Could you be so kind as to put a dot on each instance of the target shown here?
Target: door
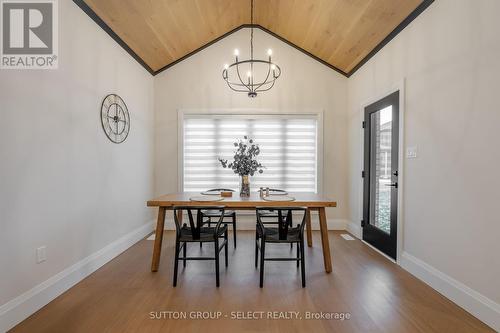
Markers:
(380, 197)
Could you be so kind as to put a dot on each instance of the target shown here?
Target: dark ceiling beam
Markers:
(112, 34)
(301, 50)
(256, 26)
(424, 5)
(201, 48)
(413, 15)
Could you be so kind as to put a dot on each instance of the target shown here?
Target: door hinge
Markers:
(362, 223)
(363, 174)
(363, 124)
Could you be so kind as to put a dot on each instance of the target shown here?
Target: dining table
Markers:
(313, 202)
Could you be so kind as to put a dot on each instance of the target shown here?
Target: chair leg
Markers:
(234, 229)
(256, 249)
(184, 252)
(262, 252)
(176, 264)
(303, 263)
(298, 255)
(216, 263)
(225, 248)
(209, 223)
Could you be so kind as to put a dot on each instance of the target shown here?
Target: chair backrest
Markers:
(195, 218)
(285, 218)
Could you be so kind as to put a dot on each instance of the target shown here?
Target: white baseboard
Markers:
(354, 229)
(477, 304)
(21, 307)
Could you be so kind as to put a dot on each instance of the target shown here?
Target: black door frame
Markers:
(386, 243)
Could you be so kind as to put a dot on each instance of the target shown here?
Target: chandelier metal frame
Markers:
(252, 87)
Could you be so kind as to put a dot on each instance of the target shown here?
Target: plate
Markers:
(210, 198)
(211, 193)
(278, 193)
(279, 198)
(214, 192)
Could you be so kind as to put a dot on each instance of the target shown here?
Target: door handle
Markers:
(392, 185)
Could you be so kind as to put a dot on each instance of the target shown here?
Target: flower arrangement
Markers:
(244, 163)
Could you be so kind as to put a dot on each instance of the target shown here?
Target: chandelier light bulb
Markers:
(249, 74)
(269, 52)
(236, 52)
(226, 66)
(273, 67)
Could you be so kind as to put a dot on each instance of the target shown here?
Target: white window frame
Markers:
(182, 113)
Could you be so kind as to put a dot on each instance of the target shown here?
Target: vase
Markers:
(245, 186)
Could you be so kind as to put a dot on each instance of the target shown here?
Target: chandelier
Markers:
(266, 70)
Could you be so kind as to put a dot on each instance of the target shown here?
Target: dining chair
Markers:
(270, 215)
(282, 233)
(214, 214)
(196, 232)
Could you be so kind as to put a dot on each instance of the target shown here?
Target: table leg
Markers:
(308, 228)
(324, 240)
(158, 239)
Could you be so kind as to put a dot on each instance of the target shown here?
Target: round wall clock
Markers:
(115, 119)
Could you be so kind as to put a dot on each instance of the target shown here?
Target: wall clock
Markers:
(115, 119)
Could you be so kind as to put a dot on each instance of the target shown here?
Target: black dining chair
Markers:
(196, 232)
(271, 212)
(270, 215)
(214, 214)
(282, 233)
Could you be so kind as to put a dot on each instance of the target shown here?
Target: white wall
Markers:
(305, 85)
(449, 57)
(63, 183)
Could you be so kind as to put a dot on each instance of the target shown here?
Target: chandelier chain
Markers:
(251, 40)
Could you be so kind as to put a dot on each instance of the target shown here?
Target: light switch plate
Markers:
(41, 254)
(411, 152)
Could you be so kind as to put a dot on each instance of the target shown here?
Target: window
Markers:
(289, 150)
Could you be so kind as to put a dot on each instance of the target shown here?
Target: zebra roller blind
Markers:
(288, 146)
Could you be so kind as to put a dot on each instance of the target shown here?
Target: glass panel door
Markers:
(380, 196)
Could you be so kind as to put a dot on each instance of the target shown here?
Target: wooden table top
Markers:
(301, 199)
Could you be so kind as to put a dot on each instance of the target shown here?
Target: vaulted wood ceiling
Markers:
(340, 33)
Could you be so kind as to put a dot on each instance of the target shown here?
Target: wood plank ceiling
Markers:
(341, 33)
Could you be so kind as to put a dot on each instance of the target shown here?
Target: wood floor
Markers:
(378, 295)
